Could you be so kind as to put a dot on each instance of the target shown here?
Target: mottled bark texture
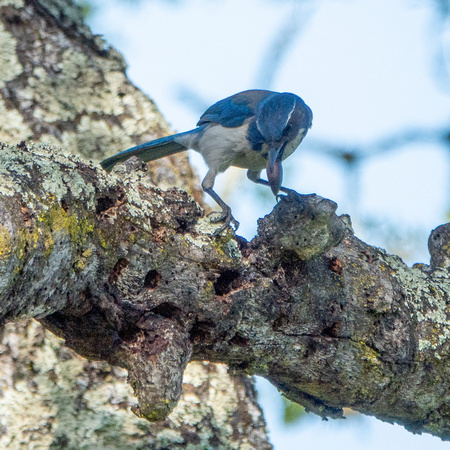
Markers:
(63, 85)
(52, 398)
(131, 274)
(128, 273)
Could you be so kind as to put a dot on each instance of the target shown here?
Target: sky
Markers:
(367, 68)
(364, 67)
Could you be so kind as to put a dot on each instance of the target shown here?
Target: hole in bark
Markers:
(331, 331)
(279, 322)
(190, 437)
(311, 348)
(215, 442)
(103, 204)
(13, 19)
(117, 270)
(64, 205)
(129, 331)
(436, 237)
(239, 340)
(166, 310)
(335, 265)
(243, 366)
(226, 282)
(293, 268)
(201, 331)
(132, 315)
(152, 279)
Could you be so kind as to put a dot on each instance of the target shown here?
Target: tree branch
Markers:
(52, 396)
(129, 273)
(62, 84)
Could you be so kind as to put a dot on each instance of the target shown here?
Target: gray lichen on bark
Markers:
(61, 84)
(53, 238)
(52, 398)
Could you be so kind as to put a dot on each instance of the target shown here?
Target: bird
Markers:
(253, 129)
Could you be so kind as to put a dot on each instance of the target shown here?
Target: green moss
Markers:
(5, 242)
(80, 264)
(158, 410)
(368, 354)
(57, 219)
(258, 367)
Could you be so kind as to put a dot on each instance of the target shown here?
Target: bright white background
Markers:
(367, 68)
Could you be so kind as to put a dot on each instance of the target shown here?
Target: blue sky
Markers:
(365, 67)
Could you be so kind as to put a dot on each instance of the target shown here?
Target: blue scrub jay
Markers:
(253, 129)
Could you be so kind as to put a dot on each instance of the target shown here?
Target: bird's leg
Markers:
(207, 185)
(226, 212)
(255, 177)
(266, 183)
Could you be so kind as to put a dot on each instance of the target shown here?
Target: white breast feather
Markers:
(224, 147)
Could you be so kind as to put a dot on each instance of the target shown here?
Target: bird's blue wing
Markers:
(233, 111)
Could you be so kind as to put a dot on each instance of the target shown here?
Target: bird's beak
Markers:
(274, 168)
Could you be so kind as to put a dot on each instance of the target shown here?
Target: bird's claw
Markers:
(286, 192)
(225, 217)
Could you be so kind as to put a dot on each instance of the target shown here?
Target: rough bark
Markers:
(73, 403)
(129, 273)
(138, 279)
(61, 84)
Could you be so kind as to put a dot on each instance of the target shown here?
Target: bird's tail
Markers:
(153, 150)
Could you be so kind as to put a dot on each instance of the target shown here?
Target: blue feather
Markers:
(232, 112)
(151, 150)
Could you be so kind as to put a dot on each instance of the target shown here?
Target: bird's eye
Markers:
(288, 128)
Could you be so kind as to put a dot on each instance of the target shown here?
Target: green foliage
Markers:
(293, 412)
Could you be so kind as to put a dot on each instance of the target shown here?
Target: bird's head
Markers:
(280, 120)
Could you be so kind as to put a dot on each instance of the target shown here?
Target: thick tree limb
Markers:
(62, 84)
(52, 398)
(130, 274)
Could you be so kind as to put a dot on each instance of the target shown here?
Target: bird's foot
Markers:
(225, 217)
(286, 191)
